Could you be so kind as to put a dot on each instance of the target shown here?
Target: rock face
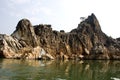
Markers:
(22, 44)
(25, 32)
(87, 41)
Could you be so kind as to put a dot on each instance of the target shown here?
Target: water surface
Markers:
(59, 70)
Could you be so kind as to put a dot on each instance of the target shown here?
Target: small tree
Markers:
(82, 18)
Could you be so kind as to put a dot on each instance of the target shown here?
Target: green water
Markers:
(59, 70)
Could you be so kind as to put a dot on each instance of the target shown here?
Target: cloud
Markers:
(34, 20)
(27, 8)
(47, 11)
(31, 11)
(19, 1)
(15, 14)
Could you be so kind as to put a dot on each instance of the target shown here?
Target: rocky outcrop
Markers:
(25, 32)
(87, 41)
(22, 44)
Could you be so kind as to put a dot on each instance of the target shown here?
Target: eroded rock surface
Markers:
(22, 44)
(87, 41)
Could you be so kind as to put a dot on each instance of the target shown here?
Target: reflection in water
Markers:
(59, 70)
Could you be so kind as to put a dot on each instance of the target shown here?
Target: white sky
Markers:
(61, 14)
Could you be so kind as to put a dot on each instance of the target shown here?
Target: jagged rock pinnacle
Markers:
(25, 31)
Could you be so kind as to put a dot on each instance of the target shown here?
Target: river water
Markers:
(11, 69)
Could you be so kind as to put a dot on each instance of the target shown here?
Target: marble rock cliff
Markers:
(87, 41)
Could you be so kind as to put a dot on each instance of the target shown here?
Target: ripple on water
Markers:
(60, 79)
(113, 78)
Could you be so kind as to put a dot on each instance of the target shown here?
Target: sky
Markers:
(61, 14)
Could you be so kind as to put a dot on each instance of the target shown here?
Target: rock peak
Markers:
(92, 19)
(93, 15)
(90, 26)
(94, 22)
(23, 23)
(25, 31)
